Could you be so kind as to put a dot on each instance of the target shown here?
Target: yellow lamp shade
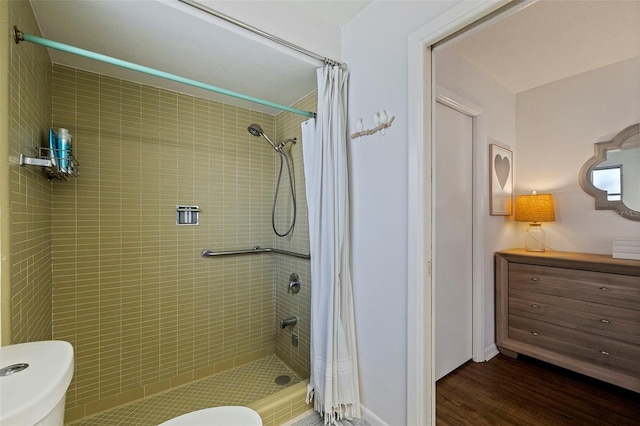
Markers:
(535, 208)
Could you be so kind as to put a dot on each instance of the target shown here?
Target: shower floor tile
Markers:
(239, 386)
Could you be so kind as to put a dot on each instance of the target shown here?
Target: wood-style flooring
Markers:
(524, 391)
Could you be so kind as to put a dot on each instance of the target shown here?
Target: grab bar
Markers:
(255, 250)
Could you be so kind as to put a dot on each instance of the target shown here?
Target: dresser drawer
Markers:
(598, 350)
(597, 287)
(604, 320)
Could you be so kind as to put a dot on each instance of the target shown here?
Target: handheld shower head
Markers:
(256, 130)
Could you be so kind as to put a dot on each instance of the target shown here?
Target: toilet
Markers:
(217, 416)
(34, 378)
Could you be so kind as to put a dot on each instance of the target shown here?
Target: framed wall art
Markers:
(500, 181)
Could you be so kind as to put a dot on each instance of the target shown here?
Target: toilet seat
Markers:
(217, 416)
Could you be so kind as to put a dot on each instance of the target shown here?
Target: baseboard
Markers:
(490, 351)
(367, 415)
(370, 418)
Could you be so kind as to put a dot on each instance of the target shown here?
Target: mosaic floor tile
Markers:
(239, 386)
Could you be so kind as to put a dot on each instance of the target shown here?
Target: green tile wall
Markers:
(287, 304)
(143, 310)
(99, 261)
(30, 191)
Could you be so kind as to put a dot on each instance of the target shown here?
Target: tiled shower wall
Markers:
(287, 304)
(143, 310)
(30, 192)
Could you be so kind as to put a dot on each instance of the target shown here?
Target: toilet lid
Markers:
(217, 416)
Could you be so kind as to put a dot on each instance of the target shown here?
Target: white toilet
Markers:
(217, 416)
(34, 378)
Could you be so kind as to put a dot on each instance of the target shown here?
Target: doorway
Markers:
(458, 228)
(420, 312)
(453, 239)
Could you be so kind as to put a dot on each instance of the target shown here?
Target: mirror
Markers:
(612, 175)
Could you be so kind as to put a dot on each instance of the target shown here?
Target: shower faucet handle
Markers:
(291, 321)
(294, 284)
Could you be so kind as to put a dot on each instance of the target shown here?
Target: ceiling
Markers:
(543, 42)
(173, 37)
(550, 40)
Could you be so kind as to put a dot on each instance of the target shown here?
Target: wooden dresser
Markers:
(579, 311)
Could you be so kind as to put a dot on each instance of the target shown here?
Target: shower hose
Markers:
(275, 197)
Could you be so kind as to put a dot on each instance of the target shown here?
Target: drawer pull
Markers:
(605, 321)
(605, 353)
(605, 289)
(535, 279)
(534, 306)
(535, 333)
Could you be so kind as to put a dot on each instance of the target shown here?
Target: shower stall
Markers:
(164, 314)
(100, 261)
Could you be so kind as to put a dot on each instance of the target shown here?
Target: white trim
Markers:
(420, 384)
(480, 214)
(420, 389)
(447, 98)
(450, 99)
(490, 351)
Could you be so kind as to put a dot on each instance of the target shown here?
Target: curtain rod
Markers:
(261, 33)
(20, 36)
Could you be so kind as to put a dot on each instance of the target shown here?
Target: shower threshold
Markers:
(239, 386)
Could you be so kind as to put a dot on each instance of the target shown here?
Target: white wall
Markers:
(461, 77)
(374, 45)
(557, 125)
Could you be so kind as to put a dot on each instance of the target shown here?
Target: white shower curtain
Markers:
(334, 374)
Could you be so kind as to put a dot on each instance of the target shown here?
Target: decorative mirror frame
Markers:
(600, 155)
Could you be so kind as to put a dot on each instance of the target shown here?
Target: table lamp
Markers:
(535, 208)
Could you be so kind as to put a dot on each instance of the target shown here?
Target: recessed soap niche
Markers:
(187, 215)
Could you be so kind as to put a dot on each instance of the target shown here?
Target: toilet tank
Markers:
(34, 382)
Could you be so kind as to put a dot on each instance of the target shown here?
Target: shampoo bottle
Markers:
(64, 147)
(53, 148)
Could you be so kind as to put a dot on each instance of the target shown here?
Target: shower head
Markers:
(256, 130)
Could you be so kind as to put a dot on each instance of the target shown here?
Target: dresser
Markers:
(576, 310)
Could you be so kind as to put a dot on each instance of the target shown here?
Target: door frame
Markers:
(420, 384)
(479, 211)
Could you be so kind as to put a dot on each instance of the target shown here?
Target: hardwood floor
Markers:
(524, 391)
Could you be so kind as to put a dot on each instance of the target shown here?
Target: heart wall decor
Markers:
(503, 169)
(500, 181)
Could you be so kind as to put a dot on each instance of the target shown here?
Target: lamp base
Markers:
(534, 240)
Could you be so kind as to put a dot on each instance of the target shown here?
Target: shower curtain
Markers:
(334, 374)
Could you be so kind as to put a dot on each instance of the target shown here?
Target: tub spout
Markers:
(288, 321)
